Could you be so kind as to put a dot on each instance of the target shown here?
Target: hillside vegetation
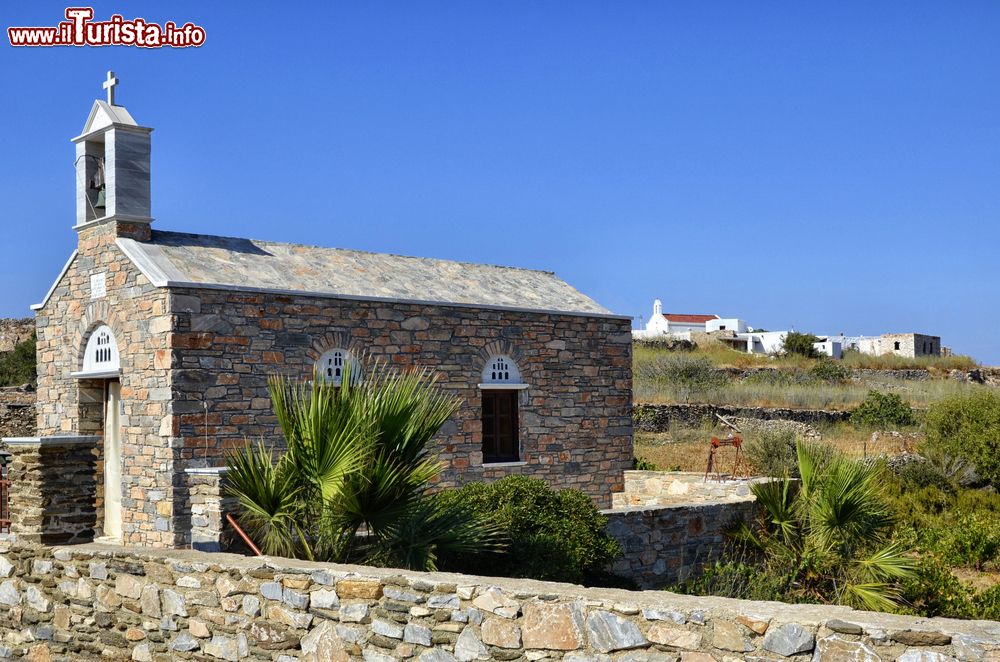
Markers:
(722, 356)
(704, 375)
(18, 366)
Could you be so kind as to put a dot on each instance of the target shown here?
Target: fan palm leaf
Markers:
(353, 480)
(267, 495)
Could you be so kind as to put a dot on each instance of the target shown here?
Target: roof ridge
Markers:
(348, 250)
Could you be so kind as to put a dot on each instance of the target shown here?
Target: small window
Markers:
(500, 427)
(501, 370)
(101, 354)
(896, 345)
(336, 363)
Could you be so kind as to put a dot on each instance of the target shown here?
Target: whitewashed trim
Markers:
(158, 278)
(99, 374)
(147, 267)
(500, 386)
(500, 465)
(55, 440)
(206, 471)
(124, 128)
(69, 262)
(101, 355)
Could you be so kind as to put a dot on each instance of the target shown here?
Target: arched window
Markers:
(101, 358)
(501, 385)
(501, 369)
(335, 363)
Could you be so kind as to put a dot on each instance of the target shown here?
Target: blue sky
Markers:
(828, 167)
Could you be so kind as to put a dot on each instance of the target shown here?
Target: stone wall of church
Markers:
(575, 423)
(137, 313)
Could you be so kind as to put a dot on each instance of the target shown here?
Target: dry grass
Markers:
(663, 376)
(686, 449)
(806, 395)
(723, 356)
(936, 364)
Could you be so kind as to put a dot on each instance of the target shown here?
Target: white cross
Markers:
(109, 85)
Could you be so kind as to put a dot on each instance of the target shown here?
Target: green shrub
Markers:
(18, 366)
(921, 473)
(735, 579)
(553, 535)
(801, 344)
(928, 500)
(986, 604)
(830, 371)
(934, 591)
(883, 410)
(642, 464)
(773, 453)
(978, 501)
(973, 541)
(969, 426)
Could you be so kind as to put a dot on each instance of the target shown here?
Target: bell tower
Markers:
(112, 169)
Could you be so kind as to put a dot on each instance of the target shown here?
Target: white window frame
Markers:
(510, 375)
(347, 358)
(101, 359)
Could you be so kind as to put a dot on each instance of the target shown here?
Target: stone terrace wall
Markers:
(666, 488)
(156, 606)
(17, 412)
(665, 545)
(670, 524)
(659, 418)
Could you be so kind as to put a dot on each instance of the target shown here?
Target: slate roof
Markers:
(172, 259)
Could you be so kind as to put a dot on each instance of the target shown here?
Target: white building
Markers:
(673, 324)
(728, 324)
(773, 342)
(734, 332)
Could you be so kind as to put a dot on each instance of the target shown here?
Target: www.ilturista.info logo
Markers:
(79, 29)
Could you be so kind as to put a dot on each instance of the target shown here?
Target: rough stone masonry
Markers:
(150, 605)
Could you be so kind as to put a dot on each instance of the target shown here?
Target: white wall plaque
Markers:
(98, 286)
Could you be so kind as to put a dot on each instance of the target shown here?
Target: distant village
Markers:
(739, 335)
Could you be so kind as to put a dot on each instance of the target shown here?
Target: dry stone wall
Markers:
(676, 488)
(665, 545)
(659, 418)
(88, 602)
(17, 412)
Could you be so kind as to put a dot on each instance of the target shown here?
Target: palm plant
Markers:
(828, 534)
(352, 483)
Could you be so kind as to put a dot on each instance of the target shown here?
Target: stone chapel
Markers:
(154, 350)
